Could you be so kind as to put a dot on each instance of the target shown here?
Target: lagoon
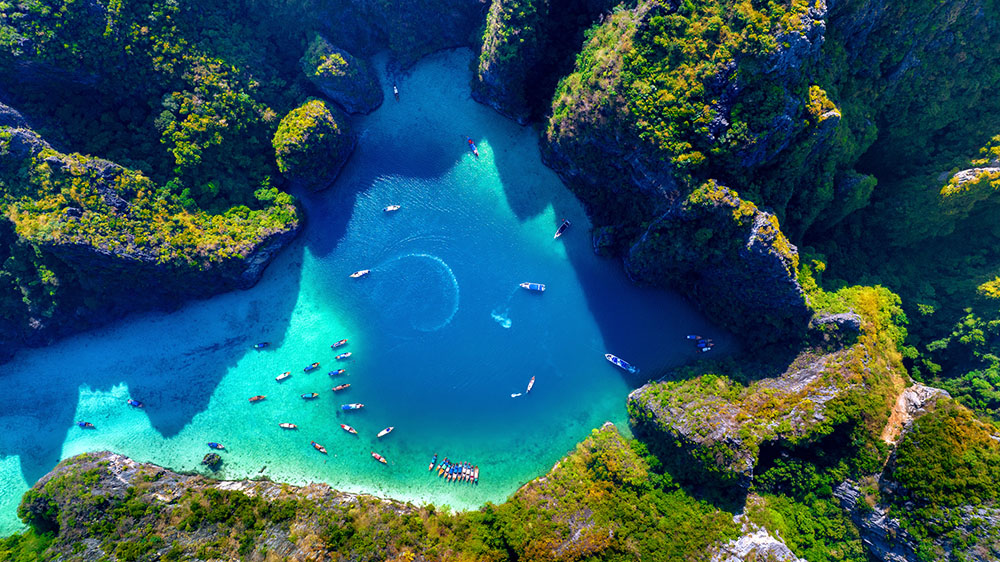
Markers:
(440, 333)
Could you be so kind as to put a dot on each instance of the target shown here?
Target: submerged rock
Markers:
(342, 78)
(312, 144)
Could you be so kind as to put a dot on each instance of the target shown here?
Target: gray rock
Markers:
(343, 78)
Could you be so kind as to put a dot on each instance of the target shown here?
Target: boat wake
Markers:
(501, 318)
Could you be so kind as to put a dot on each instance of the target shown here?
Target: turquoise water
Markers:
(440, 332)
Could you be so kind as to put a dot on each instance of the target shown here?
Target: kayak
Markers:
(312, 367)
(379, 458)
(339, 343)
(337, 372)
(386, 431)
(340, 387)
(319, 447)
(309, 395)
(343, 356)
(257, 398)
(348, 428)
(288, 426)
(283, 376)
(216, 446)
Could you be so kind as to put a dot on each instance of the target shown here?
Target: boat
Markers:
(386, 431)
(354, 406)
(283, 376)
(538, 287)
(472, 147)
(211, 460)
(442, 466)
(343, 356)
(286, 425)
(337, 372)
(562, 228)
(531, 383)
(261, 345)
(257, 398)
(391, 208)
(309, 395)
(433, 462)
(218, 446)
(395, 92)
(475, 475)
(340, 387)
(311, 367)
(621, 363)
(360, 273)
(379, 458)
(515, 395)
(348, 428)
(339, 343)
(134, 403)
(85, 425)
(693, 337)
(319, 447)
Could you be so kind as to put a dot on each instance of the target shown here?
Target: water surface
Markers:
(440, 332)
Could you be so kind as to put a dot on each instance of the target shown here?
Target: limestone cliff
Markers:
(342, 78)
(312, 144)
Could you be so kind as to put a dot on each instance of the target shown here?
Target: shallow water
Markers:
(440, 332)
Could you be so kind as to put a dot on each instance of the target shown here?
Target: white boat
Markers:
(531, 383)
(360, 273)
(533, 286)
(283, 376)
(391, 208)
(386, 431)
(562, 228)
(515, 395)
(621, 363)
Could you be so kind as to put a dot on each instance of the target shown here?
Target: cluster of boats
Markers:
(704, 345)
(455, 471)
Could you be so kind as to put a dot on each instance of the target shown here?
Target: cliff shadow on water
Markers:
(90, 377)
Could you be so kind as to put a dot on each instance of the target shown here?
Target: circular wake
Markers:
(418, 290)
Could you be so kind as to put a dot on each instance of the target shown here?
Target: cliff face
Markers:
(312, 144)
(341, 77)
(730, 258)
(103, 247)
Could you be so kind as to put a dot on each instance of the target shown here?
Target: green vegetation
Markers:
(312, 141)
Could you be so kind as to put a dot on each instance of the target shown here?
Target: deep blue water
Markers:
(440, 332)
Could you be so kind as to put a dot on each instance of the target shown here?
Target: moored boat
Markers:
(531, 383)
(343, 356)
(433, 462)
(261, 345)
(339, 343)
(216, 445)
(475, 475)
(537, 287)
(391, 208)
(379, 458)
(312, 367)
(257, 398)
(353, 406)
(360, 273)
(340, 387)
(319, 447)
(338, 372)
(472, 147)
(134, 403)
(285, 425)
(85, 425)
(310, 395)
(386, 431)
(562, 228)
(283, 376)
(348, 428)
(621, 363)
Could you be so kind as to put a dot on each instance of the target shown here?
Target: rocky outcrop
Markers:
(728, 256)
(882, 534)
(312, 144)
(341, 77)
(755, 544)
